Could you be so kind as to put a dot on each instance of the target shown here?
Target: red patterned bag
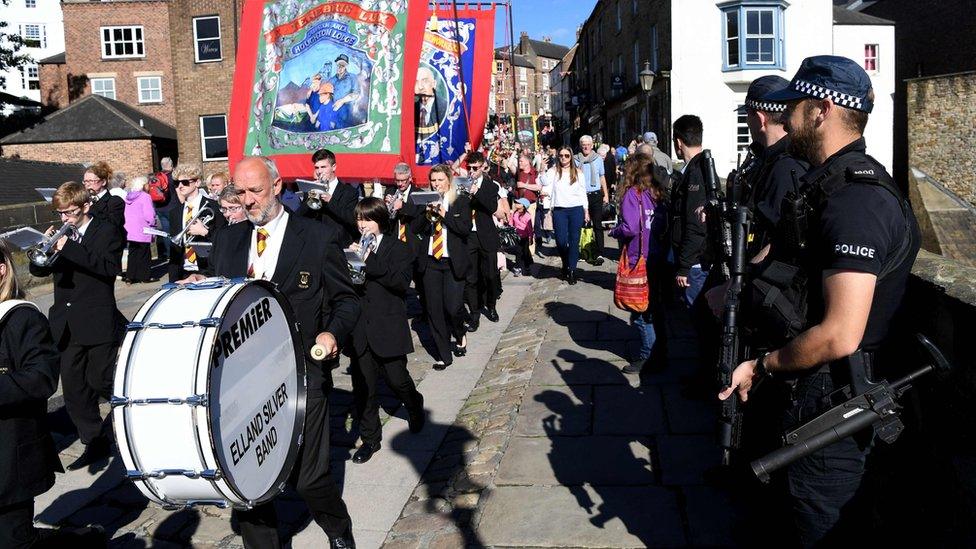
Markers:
(631, 292)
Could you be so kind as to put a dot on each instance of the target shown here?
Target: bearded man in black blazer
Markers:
(85, 321)
(480, 289)
(304, 259)
(338, 202)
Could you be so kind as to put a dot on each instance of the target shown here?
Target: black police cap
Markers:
(839, 79)
(761, 87)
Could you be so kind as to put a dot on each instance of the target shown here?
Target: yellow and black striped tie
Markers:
(437, 250)
(189, 253)
(402, 234)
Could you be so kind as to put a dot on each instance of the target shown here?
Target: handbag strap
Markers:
(640, 226)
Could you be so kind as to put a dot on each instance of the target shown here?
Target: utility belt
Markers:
(855, 370)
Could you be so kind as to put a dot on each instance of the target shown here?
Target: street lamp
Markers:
(647, 77)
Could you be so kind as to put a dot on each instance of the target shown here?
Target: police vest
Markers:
(782, 298)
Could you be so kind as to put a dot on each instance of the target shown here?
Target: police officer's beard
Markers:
(805, 142)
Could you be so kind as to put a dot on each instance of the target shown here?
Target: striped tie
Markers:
(438, 247)
(189, 253)
(262, 240)
(402, 234)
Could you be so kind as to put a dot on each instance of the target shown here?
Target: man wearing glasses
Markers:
(230, 205)
(481, 286)
(85, 322)
(184, 260)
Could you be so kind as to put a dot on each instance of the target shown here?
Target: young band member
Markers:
(230, 205)
(183, 259)
(304, 259)
(481, 287)
(104, 205)
(338, 202)
(28, 377)
(86, 324)
(382, 339)
(444, 262)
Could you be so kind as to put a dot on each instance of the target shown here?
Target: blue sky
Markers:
(557, 19)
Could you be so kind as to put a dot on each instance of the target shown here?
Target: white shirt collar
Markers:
(84, 227)
(101, 194)
(272, 226)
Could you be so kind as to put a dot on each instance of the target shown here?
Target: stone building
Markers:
(533, 59)
(171, 59)
(96, 128)
(704, 55)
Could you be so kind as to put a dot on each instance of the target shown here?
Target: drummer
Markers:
(304, 259)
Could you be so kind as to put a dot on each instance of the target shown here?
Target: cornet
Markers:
(391, 200)
(355, 261)
(313, 199)
(43, 254)
(205, 216)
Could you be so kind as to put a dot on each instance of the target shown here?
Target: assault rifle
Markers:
(869, 404)
(718, 210)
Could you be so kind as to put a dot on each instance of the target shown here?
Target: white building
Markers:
(41, 24)
(709, 77)
(705, 53)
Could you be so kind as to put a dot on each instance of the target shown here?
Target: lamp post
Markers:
(647, 77)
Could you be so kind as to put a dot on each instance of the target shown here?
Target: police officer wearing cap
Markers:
(776, 171)
(852, 252)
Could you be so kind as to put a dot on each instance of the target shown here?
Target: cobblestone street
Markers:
(537, 417)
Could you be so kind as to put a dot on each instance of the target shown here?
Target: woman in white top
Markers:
(563, 184)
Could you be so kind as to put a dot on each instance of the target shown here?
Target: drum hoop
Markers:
(299, 431)
(133, 456)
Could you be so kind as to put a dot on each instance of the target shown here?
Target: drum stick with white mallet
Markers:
(318, 352)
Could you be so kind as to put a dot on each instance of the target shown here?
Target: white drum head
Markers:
(257, 392)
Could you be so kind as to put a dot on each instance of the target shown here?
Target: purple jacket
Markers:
(650, 228)
(139, 214)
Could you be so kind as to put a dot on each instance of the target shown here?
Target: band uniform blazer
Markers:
(28, 377)
(176, 253)
(457, 224)
(339, 213)
(84, 286)
(405, 215)
(485, 203)
(313, 275)
(383, 324)
(110, 208)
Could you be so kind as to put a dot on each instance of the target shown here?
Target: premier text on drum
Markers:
(239, 332)
(254, 429)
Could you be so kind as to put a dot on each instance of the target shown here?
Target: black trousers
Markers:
(313, 481)
(444, 295)
(86, 375)
(595, 202)
(137, 267)
(523, 257)
(17, 525)
(481, 286)
(366, 371)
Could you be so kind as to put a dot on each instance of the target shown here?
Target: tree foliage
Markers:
(10, 55)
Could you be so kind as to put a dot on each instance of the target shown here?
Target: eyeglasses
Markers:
(90, 180)
(231, 209)
(185, 181)
(71, 212)
(476, 167)
(564, 155)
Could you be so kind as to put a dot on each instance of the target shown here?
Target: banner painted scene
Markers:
(326, 74)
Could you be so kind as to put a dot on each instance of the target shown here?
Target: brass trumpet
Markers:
(391, 200)
(205, 216)
(43, 254)
(313, 199)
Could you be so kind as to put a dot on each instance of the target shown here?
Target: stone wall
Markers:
(131, 157)
(942, 130)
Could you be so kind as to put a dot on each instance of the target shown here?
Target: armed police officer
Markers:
(825, 296)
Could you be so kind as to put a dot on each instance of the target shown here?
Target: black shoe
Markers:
(473, 324)
(596, 262)
(491, 314)
(440, 365)
(539, 254)
(365, 451)
(461, 350)
(571, 277)
(344, 542)
(95, 451)
(416, 418)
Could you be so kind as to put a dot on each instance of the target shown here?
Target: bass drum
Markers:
(209, 402)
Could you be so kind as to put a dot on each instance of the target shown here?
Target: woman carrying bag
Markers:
(569, 210)
(640, 232)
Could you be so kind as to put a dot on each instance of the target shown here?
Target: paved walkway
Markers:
(535, 438)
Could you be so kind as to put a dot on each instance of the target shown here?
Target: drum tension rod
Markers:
(211, 322)
(208, 474)
(195, 502)
(195, 400)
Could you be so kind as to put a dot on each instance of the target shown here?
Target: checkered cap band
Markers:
(842, 99)
(765, 106)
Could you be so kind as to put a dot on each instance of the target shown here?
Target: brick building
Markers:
(171, 59)
(533, 59)
(95, 128)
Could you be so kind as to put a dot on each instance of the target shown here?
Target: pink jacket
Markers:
(523, 224)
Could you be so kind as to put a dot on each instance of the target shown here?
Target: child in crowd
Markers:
(522, 221)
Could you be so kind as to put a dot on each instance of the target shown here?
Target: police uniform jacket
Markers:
(383, 324)
(84, 286)
(28, 377)
(311, 272)
(688, 235)
(772, 183)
